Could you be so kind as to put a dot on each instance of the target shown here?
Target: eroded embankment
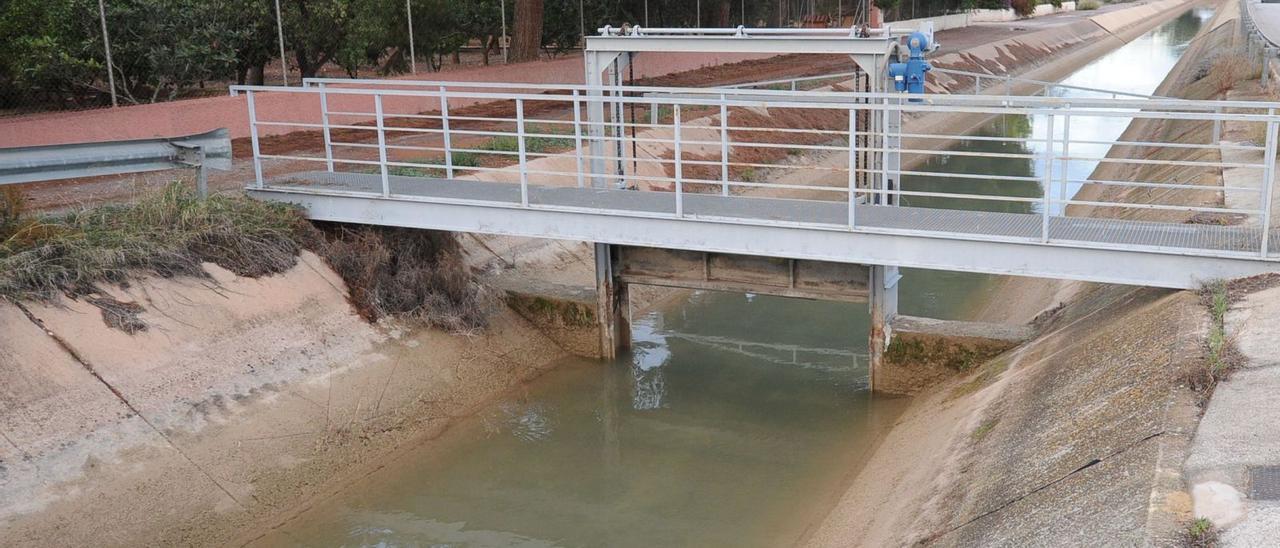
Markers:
(1076, 437)
(185, 410)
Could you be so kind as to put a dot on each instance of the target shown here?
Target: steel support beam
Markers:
(613, 304)
(1059, 260)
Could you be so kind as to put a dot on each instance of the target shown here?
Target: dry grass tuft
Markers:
(166, 233)
(418, 274)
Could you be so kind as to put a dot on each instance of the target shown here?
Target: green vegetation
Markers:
(1219, 353)
(166, 233)
(1087, 5)
(983, 429)
(1218, 305)
(1201, 534)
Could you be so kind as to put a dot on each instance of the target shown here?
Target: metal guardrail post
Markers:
(977, 85)
(324, 121)
(577, 137)
(253, 140)
(444, 127)
(653, 114)
(1048, 180)
(382, 147)
(724, 147)
(524, 159)
(1268, 182)
(675, 115)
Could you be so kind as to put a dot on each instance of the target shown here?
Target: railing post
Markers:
(977, 85)
(1217, 127)
(524, 167)
(577, 137)
(1008, 86)
(253, 139)
(653, 113)
(382, 146)
(853, 165)
(1048, 180)
(1066, 162)
(444, 126)
(1268, 182)
(793, 85)
(675, 116)
(324, 120)
(724, 146)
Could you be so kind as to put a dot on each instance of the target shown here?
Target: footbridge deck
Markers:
(830, 176)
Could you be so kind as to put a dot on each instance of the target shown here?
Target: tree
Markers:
(527, 39)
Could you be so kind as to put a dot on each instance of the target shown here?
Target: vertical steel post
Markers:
(977, 85)
(675, 114)
(1268, 182)
(524, 165)
(284, 65)
(106, 47)
(1048, 180)
(382, 147)
(577, 137)
(253, 139)
(324, 121)
(1066, 162)
(202, 178)
(413, 57)
(444, 126)
(724, 146)
(1217, 127)
(853, 165)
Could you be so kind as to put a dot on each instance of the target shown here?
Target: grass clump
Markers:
(1088, 5)
(1201, 534)
(167, 233)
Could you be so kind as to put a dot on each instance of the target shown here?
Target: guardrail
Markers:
(810, 147)
(209, 150)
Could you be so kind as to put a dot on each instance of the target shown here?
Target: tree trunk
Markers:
(725, 6)
(488, 46)
(257, 74)
(528, 32)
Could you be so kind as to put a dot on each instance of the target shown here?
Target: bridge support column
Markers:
(613, 309)
(884, 306)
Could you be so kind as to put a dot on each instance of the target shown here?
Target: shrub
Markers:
(1228, 68)
(1024, 8)
(1087, 5)
(419, 274)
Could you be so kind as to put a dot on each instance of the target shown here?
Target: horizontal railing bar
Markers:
(845, 100)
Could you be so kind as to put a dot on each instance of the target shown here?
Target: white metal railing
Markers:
(997, 82)
(683, 143)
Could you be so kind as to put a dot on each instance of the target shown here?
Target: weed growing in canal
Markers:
(1220, 353)
(167, 232)
(1201, 534)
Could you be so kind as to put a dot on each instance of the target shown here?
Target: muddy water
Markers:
(1137, 67)
(733, 422)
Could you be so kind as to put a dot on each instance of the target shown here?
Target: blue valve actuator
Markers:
(909, 76)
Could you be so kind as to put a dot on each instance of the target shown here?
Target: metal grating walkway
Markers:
(983, 225)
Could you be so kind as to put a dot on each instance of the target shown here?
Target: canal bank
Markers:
(1080, 435)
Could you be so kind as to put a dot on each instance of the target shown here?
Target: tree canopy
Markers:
(52, 53)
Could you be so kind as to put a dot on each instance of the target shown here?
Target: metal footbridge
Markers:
(828, 174)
